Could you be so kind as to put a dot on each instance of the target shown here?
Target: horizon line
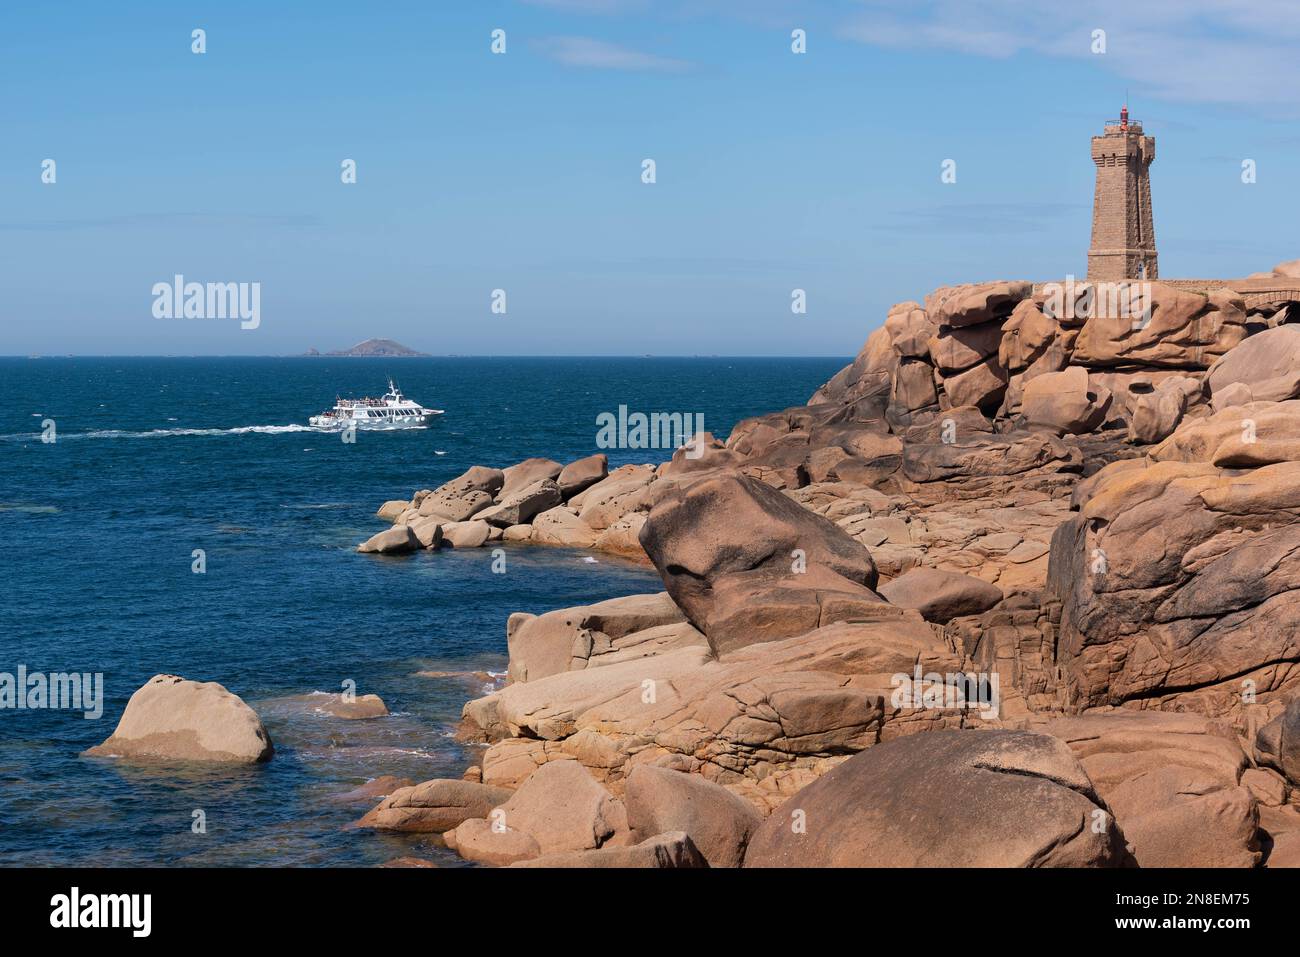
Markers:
(449, 355)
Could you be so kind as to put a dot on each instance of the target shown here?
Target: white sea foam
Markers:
(167, 433)
(164, 433)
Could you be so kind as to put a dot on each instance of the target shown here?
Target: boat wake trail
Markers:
(238, 431)
(168, 433)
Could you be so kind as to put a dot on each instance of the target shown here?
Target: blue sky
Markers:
(522, 171)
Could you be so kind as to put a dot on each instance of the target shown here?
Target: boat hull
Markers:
(377, 424)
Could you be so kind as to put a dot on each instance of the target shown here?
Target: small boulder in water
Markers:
(173, 719)
(397, 540)
(341, 706)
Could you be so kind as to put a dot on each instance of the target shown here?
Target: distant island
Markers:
(386, 348)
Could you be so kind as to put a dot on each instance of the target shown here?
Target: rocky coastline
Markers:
(1014, 588)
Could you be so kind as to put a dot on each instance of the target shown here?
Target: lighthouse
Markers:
(1123, 235)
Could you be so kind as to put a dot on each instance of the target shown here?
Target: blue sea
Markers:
(154, 458)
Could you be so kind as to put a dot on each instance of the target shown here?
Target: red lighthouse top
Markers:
(1123, 117)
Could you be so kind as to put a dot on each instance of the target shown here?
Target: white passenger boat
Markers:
(391, 411)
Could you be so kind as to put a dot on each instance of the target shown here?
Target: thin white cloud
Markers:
(1232, 52)
(590, 53)
(1225, 52)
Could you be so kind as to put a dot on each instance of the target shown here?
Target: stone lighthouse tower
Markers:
(1123, 236)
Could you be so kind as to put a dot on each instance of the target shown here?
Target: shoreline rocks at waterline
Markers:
(535, 500)
(433, 807)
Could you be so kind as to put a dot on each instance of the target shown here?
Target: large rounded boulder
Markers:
(1179, 581)
(1065, 401)
(940, 596)
(172, 719)
(718, 822)
(748, 564)
(946, 799)
(1267, 365)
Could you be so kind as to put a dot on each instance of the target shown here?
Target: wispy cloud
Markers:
(1237, 52)
(590, 53)
(1226, 52)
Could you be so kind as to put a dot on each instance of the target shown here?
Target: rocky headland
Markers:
(1016, 587)
(1089, 519)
